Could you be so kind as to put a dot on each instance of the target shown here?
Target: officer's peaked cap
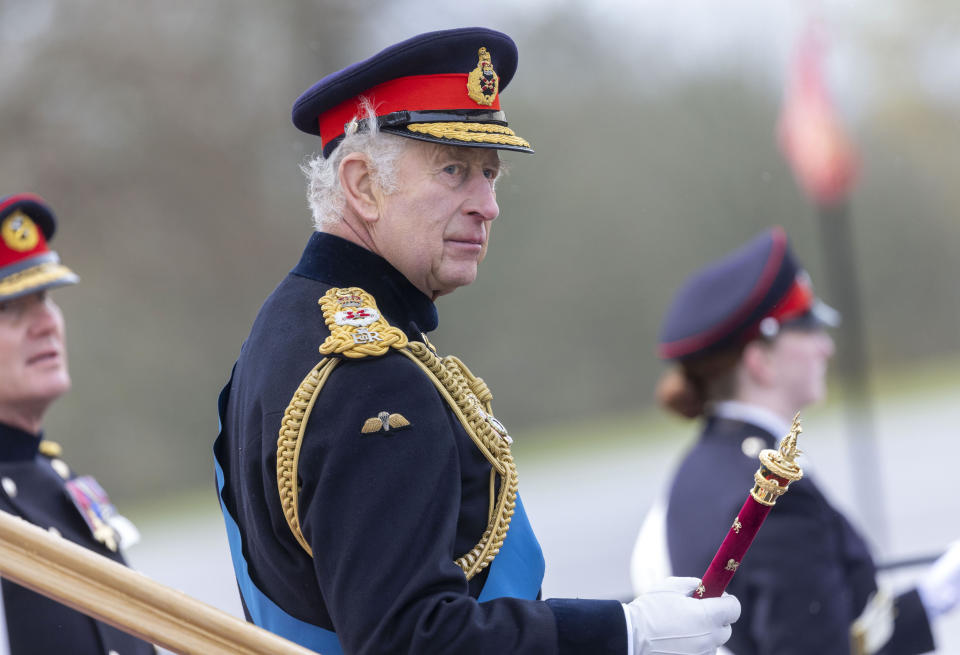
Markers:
(441, 86)
(27, 264)
(751, 292)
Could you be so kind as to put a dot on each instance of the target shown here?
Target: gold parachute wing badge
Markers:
(384, 422)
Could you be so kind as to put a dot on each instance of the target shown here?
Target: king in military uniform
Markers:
(369, 492)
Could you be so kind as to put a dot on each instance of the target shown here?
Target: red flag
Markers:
(810, 133)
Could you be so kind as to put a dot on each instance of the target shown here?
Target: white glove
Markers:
(667, 621)
(940, 587)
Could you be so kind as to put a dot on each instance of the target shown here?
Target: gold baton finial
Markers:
(780, 463)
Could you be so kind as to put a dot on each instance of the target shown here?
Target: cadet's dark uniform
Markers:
(386, 512)
(33, 488)
(808, 574)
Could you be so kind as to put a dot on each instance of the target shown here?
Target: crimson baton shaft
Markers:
(778, 469)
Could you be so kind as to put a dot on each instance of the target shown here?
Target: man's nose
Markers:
(482, 201)
(43, 315)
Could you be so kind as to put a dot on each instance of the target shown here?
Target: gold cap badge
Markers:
(482, 82)
(19, 232)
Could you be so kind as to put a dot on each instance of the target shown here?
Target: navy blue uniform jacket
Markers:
(385, 514)
(36, 624)
(807, 575)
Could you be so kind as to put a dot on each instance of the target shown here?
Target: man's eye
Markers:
(490, 173)
(452, 169)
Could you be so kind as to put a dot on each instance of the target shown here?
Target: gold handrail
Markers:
(126, 599)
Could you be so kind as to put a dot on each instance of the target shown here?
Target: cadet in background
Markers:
(750, 347)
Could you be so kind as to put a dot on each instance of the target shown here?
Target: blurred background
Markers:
(159, 131)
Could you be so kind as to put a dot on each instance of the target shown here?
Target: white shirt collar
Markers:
(759, 416)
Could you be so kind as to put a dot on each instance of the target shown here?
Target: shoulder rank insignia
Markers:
(357, 329)
(52, 451)
(50, 448)
(384, 422)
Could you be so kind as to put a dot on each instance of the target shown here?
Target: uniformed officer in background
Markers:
(371, 497)
(748, 339)
(35, 483)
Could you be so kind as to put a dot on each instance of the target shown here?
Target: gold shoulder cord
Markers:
(294, 423)
(469, 398)
(357, 330)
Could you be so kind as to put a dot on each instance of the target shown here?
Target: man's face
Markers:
(799, 360)
(33, 357)
(435, 227)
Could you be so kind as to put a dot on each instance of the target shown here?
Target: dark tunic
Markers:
(385, 514)
(36, 624)
(808, 574)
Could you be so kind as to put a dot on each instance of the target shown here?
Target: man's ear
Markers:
(360, 192)
(756, 362)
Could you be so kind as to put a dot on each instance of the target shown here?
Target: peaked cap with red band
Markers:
(27, 264)
(442, 87)
(750, 292)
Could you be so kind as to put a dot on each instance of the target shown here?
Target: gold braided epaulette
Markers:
(357, 329)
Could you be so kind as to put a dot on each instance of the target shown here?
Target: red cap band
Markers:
(797, 302)
(413, 93)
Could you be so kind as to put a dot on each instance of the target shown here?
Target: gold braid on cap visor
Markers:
(470, 132)
(35, 276)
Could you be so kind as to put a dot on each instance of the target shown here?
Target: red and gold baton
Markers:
(777, 470)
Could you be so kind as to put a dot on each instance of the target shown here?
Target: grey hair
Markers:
(323, 180)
